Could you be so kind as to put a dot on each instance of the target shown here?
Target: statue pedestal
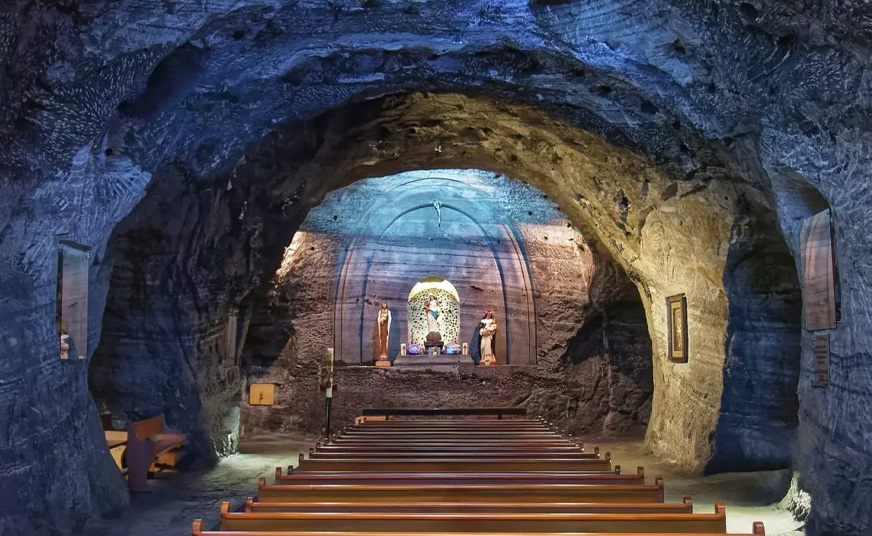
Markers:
(383, 362)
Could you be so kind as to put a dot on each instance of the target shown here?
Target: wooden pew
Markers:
(461, 479)
(150, 444)
(480, 434)
(454, 448)
(685, 507)
(499, 413)
(449, 465)
(495, 434)
(484, 430)
(473, 522)
(437, 444)
(461, 435)
(458, 426)
(486, 493)
(116, 440)
(485, 419)
(359, 454)
(454, 425)
(471, 422)
(310, 478)
(197, 530)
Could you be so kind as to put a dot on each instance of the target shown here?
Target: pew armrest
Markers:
(166, 442)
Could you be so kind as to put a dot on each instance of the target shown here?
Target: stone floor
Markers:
(749, 496)
(178, 499)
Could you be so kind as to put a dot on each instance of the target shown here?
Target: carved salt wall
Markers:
(400, 239)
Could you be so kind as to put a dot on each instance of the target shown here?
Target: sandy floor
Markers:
(749, 497)
(178, 499)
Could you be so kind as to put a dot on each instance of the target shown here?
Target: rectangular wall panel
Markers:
(818, 290)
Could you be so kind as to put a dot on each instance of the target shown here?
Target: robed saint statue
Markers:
(487, 331)
(381, 333)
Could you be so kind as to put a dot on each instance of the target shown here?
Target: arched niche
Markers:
(401, 239)
(449, 315)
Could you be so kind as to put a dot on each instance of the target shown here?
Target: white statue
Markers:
(487, 330)
(432, 311)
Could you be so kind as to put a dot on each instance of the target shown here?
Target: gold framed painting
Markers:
(262, 394)
(676, 328)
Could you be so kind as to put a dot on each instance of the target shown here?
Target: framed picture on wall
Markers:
(262, 394)
(676, 328)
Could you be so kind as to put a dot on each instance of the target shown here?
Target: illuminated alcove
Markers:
(449, 304)
(473, 240)
(496, 243)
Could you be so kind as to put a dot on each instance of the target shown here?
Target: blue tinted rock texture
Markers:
(677, 135)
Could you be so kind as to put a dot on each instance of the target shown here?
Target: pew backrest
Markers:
(503, 492)
(510, 522)
(425, 465)
(197, 530)
(684, 507)
(543, 477)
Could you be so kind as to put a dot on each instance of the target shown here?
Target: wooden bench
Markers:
(452, 427)
(462, 434)
(151, 445)
(374, 429)
(489, 493)
(116, 440)
(470, 522)
(448, 465)
(459, 437)
(448, 446)
(523, 430)
(438, 444)
(404, 425)
(309, 478)
(685, 507)
(358, 454)
(197, 530)
(444, 412)
(461, 479)
(453, 449)
(351, 432)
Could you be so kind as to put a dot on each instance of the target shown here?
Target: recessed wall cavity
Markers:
(504, 247)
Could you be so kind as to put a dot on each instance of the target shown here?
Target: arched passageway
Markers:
(670, 237)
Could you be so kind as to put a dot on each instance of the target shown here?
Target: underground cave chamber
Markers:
(167, 172)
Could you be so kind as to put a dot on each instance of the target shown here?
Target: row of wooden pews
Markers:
(461, 477)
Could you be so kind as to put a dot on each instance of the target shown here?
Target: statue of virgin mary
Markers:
(431, 309)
